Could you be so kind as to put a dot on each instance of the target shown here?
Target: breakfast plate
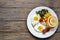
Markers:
(39, 18)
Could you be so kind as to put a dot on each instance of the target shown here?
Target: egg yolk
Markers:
(40, 28)
(35, 18)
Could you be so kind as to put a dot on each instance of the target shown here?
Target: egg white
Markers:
(34, 22)
(36, 27)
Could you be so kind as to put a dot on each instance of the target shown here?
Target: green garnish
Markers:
(42, 12)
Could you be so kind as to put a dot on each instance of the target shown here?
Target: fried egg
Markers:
(35, 19)
(39, 27)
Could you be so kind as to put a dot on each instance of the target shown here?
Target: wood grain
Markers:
(13, 17)
(14, 27)
(18, 30)
(27, 36)
(29, 3)
(14, 13)
(19, 13)
(23, 3)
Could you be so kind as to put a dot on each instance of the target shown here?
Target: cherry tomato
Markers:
(41, 19)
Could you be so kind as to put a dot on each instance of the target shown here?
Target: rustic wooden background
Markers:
(13, 16)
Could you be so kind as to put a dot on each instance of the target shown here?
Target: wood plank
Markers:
(57, 11)
(1, 36)
(56, 3)
(13, 27)
(56, 36)
(14, 13)
(19, 13)
(21, 3)
(16, 26)
(27, 36)
(17, 36)
(29, 3)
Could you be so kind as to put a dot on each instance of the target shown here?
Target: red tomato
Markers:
(41, 19)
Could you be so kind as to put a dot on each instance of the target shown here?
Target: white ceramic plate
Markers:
(31, 29)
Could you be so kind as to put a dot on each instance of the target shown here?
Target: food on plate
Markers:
(46, 16)
(43, 21)
(39, 27)
(52, 21)
(35, 17)
(34, 23)
(35, 20)
(45, 30)
(42, 12)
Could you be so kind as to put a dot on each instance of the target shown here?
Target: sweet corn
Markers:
(46, 16)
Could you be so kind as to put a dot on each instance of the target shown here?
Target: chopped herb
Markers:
(42, 12)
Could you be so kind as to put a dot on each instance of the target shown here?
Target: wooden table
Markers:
(13, 16)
